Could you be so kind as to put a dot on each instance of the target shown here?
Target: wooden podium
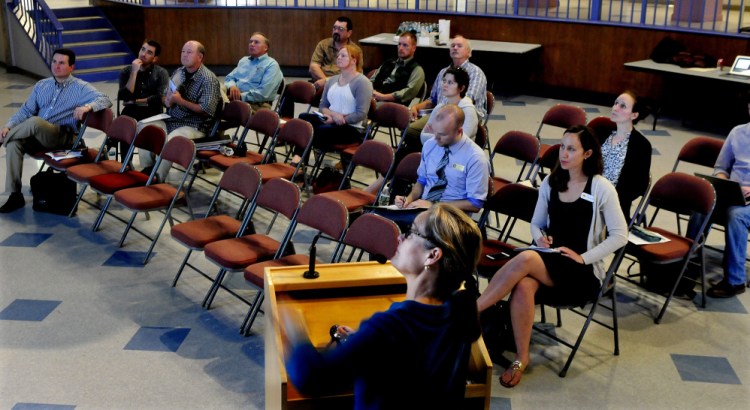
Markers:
(345, 293)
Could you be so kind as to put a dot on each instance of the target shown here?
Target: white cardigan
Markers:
(607, 214)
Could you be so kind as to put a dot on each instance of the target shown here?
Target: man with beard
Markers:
(323, 62)
(399, 80)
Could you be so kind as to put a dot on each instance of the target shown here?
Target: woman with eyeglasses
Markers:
(454, 85)
(415, 354)
(626, 152)
(577, 222)
(344, 105)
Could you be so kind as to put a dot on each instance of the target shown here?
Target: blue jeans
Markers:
(738, 221)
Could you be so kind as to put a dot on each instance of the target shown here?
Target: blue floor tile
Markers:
(26, 240)
(655, 151)
(705, 369)
(500, 403)
(656, 133)
(14, 105)
(17, 87)
(127, 259)
(42, 406)
(499, 117)
(728, 305)
(159, 339)
(514, 103)
(591, 110)
(29, 310)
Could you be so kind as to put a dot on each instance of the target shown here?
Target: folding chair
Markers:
(278, 196)
(602, 127)
(546, 296)
(151, 138)
(520, 146)
(391, 115)
(373, 234)
(680, 194)
(263, 121)
(700, 151)
(155, 197)
(375, 155)
(279, 95)
(326, 215)
(515, 201)
(236, 114)
(122, 130)
(99, 120)
(301, 92)
(242, 180)
(295, 133)
(562, 116)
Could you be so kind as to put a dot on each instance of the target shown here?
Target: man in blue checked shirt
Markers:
(49, 119)
(257, 76)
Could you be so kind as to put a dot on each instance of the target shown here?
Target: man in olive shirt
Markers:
(323, 62)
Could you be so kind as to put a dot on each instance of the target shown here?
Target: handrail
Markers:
(40, 23)
(723, 17)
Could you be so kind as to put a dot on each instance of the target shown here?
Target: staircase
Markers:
(100, 51)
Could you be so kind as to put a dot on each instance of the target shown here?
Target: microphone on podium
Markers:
(311, 273)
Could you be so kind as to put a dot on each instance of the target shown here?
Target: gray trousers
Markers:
(32, 135)
(148, 158)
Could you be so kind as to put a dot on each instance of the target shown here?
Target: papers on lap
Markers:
(538, 249)
(155, 118)
(64, 154)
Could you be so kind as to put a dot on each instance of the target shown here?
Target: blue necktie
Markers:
(437, 190)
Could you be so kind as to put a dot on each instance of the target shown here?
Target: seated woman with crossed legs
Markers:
(576, 206)
(415, 354)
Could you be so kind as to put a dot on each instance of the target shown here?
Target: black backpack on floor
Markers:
(53, 192)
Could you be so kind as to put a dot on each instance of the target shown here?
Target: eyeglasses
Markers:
(414, 231)
(339, 28)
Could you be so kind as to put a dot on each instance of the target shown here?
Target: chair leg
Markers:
(209, 298)
(247, 324)
(78, 200)
(100, 218)
(615, 329)
(158, 233)
(127, 229)
(674, 289)
(182, 267)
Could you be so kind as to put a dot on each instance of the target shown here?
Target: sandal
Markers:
(516, 368)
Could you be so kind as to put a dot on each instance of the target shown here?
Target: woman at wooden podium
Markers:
(415, 354)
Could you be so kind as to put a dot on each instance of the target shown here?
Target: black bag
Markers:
(53, 192)
(666, 51)
(328, 180)
(660, 278)
(497, 330)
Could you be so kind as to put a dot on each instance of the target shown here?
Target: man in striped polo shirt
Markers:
(49, 119)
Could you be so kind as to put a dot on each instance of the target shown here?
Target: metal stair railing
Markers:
(40, 23)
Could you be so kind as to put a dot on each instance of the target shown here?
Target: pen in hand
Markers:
(545, 237)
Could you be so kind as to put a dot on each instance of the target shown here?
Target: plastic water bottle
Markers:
(385, 197)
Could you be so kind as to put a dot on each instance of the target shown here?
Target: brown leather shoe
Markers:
(15, 201)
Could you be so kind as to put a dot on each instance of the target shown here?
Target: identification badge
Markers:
(459, 167)
(587, 197)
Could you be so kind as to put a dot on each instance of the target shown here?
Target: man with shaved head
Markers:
(191, 100)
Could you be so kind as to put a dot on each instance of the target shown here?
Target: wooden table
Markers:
(345, 293)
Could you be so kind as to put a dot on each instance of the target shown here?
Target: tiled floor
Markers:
(84, 325)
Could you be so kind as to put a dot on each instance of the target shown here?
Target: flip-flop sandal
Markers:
(515, 368)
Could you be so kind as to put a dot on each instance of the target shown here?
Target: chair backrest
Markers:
(374, 155)
(179, 150)
(490, 105)
(280, 195)
(264, 121)
(407, 168)
(241, 178)
(324, 214)
(519, 145)
(515, 200)
(374, 234)
(296, 132)
(279, 94)
(481, 136)
(392, 115)
(563, 116)
(700, 151)
(602, 127)
(151, 138)
(551, 157)
(122, 129)
(299, 91)
(236, 114)
(682, 194)
(100, 120)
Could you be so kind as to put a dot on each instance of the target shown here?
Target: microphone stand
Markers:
(311, 273)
